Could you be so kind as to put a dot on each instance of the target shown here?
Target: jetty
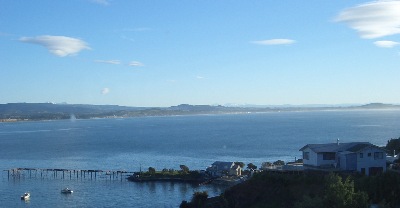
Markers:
(46, 173)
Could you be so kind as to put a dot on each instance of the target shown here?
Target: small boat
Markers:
(67, 191)
(26, 196)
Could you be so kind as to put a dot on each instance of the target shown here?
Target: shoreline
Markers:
(252, 111)
(161, 179)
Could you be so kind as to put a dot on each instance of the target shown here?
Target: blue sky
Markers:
(163, 53)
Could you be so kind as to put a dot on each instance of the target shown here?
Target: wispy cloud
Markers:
(386, 43)
(274, 42)
(135, 64)
(374, 19)
(137, 29)
(199, 77)
(4, 34)
(58, 45)
(118, 62)
(101, 2)
(105, 91)
(127, 38)
(109, 61)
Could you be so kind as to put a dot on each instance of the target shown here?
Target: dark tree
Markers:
(393, 145)
(199, 198)
(152, 170)
(184, 168)
(279, 162)
(251, 166)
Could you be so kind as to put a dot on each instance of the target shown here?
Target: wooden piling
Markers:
(55, 173)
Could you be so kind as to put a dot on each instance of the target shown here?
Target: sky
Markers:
(150, 53)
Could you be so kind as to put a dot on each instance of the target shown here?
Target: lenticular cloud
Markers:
(373, 20)
(58, 45)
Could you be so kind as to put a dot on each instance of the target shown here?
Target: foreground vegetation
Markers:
(270, 189)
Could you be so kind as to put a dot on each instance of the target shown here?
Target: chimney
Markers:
(337, 141)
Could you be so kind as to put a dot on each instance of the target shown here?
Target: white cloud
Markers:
(374, 19)
(102, 2)
(199, 77)
(386, 43)
(58, 45)
(135, 64)
(109, 61)
(137, 29)
(274, 42)
(105, 91)
(127, 38)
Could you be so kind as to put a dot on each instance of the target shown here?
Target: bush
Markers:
(199, 198)
(152, 170)
(341, 194)
(279, 162)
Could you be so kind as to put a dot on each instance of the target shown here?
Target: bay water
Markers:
(132, 144)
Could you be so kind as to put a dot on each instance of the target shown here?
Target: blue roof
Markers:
(341, 147)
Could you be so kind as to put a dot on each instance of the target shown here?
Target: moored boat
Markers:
(67, 191)
(26, 196)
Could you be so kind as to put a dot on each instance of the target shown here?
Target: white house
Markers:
(363, 157)
(218, 169)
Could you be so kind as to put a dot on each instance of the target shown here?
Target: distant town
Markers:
(13, 112)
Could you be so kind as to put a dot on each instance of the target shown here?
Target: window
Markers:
(328, 156)
(378, 155)
(361, 155)
(369, 154)
(306, 155)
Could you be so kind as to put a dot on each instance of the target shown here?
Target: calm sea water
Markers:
(165, 142)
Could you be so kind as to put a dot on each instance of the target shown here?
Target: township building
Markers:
(218, 169)
(363, 157)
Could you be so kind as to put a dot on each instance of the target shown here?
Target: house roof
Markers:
(341, 147)
(222, 165)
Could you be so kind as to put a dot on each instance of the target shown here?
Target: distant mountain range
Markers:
(51, 111)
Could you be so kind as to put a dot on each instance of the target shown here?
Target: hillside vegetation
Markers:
(269, 189)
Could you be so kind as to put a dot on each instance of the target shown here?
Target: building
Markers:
(363, 157)
(218, 169)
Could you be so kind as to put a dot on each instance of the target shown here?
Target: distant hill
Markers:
(46, 111)
(379, 106)
(51, 111)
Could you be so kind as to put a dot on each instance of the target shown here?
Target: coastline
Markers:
(167, 179)
(168, 113)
